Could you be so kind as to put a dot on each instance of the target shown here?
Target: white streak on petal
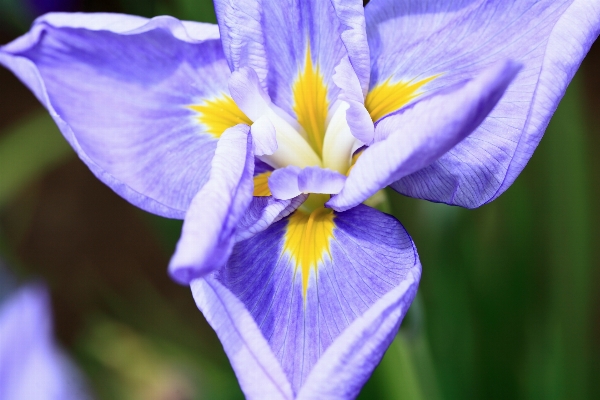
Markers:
(339, 142)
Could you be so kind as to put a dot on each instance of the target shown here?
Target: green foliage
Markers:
(27, 151)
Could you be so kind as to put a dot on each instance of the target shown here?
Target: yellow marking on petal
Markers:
(388, 97)
(310, 103)
(261, 184)
(307, 240)
(219, 114)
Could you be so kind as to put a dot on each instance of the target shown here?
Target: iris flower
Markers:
(268, 132)
(31, 366)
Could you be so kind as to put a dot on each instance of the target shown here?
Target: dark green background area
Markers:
(508, 305)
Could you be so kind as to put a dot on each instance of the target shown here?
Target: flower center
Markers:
(317, 135)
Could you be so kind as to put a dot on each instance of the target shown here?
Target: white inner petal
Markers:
(292, 148)
(339, 143)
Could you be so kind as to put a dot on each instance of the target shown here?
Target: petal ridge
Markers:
(208, 233)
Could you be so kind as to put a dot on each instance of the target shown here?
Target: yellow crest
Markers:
(310, 103)
(307, 240)
(219, 114)
(388, 97)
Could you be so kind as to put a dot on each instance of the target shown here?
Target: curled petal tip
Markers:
(208, 232)
(184, 275)
(283, 183)
(245, 89)
(320, 180)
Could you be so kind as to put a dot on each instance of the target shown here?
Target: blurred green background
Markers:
(508, 306)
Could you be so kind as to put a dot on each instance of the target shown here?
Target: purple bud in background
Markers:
(31, 365)
(39, 7)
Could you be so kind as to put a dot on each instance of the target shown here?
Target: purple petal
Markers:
(258, 372)
(242, 35)
(310, 23)
(418, 39)
(415, 138)
(278, 140)
(348, 363)
(119, 88)
(368, 275)
(31, 366)
(352, 17)
(255, 103)
(188, 31)
(283, 183)
(320, 180)
(208, 233)
(118, 23)
(357, 116)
